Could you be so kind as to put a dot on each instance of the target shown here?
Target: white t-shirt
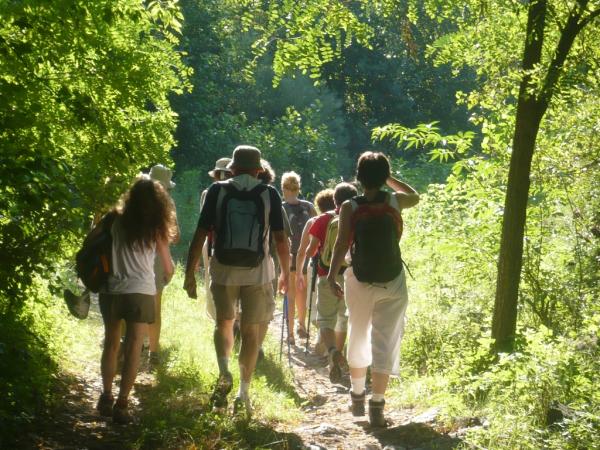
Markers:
(132, 266)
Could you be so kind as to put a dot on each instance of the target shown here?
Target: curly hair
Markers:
(290, 181)
(324, 200)
(267, 176)
(147, 214)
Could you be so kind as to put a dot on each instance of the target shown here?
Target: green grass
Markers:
(175, 411)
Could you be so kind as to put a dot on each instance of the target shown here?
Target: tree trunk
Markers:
(529, 114)
(513, 228)
(531, 107)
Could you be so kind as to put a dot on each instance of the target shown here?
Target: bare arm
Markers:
(282, 246)
(310, 250)
(194, 254)
(162, 249)
(342, 243)
(405, 195)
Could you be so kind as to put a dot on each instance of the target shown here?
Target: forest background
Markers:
(92, 93)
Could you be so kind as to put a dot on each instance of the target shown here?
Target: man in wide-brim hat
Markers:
(241, 267)
(221, 171)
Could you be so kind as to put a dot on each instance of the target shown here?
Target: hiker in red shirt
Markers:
(331, 310)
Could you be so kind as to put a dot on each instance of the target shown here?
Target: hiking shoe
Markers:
(338, 368)
(222, 388)
(376, 417)
(153, 360)
(105, 405)
(301, 332)
(241, 405)
(121, 415)
(358, 404)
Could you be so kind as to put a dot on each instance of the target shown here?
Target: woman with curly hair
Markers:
(142, 226)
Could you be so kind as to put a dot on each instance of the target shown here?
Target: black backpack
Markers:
(240, 230)
(94, 260)
(375, 249)
(298, 215)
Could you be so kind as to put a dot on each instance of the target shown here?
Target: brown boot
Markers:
(358, 404)
(105, 405)
(121, 413)
(376, 417)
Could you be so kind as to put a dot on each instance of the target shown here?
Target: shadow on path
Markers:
(413, 435)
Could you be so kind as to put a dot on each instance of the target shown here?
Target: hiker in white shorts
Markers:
(374, 284)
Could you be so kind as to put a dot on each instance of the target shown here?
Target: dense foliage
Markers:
(84, 105)
(87, 89)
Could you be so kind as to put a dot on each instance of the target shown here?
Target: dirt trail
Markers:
(328, 422)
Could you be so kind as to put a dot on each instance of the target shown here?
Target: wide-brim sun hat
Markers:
(246, 157)
(220, 166)
(163, 175)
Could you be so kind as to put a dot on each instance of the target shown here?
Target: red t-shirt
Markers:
(319, 230)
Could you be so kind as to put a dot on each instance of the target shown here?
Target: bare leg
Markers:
(358, 372)
(223, 337)
(301, 306)
(262, 332)
(340, 340)
(134, 339)
(291, 296)
(328, 338)
(108, 362)
(154, 328)
(379, 380)
(249, 350)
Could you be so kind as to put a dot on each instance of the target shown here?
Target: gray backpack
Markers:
(241, 225)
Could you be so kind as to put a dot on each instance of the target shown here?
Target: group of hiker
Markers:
(254, 245)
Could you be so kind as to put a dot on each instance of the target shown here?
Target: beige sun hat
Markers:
(220, 166)
(163, 175)
(246, 157)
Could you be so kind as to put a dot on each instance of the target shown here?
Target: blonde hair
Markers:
(290, 181)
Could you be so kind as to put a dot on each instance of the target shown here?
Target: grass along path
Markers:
(295, 407)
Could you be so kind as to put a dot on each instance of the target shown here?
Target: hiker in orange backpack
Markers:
(331, 310)
(375, 284)
(142, 227)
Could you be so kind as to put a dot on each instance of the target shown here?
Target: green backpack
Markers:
(330, 236)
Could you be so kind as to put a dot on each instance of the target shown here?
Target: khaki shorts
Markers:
(256, 301)
(130, 307)
(331, 310)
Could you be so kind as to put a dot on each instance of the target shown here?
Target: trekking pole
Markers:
(313, 280)
(286, 309)
(283, 321)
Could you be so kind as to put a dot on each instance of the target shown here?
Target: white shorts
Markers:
(375, 322)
